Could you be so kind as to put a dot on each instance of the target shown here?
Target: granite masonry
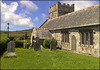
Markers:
(76, 31)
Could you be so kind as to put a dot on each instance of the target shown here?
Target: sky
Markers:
(24, 15)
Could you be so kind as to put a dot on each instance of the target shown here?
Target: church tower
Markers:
(59, 9)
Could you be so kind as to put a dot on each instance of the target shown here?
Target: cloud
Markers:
(5, 25)
(9, 8)
(11, 26)
(8, 15)
(36, 19)
(43, 15)
(29, 5)
(80, 4)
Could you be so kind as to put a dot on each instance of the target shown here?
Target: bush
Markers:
(46, 43)
(11, 37)
(19, 43)
(3, 44)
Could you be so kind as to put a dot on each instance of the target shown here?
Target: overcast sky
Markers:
(28, 14)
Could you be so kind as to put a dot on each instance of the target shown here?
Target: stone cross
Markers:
(11, 48)
(8, 30)
(37, 44)
(52, 44)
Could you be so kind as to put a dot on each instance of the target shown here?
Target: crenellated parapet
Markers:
(59, 9)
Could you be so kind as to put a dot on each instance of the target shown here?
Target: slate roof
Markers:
(85, 17)
(43, 33)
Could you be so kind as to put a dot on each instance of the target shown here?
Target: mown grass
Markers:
(56, 59)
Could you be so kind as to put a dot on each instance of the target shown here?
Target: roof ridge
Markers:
(43, 23)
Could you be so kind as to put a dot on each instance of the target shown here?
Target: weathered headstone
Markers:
(11, 48)
(52, 44)
(37, 44)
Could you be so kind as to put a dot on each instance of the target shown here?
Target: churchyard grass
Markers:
(56, 59)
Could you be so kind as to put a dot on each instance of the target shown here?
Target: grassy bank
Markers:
(58, 59)
(17, 34)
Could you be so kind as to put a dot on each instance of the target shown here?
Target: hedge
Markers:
(3, 44)
(21, 38)
(11, 37)
(19, 43)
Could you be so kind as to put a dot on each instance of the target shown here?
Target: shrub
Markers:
(11, 37)
(46, 43)
(19, 43)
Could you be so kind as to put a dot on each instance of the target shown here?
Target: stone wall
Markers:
(33, 34)
(58, 36)
(74, 32)
(95, 48)
(96, 41)
(80, 48)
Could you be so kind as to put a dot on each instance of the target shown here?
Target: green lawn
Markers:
(57, 59)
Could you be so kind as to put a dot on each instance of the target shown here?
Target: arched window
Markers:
(65, 36)
(86, 37)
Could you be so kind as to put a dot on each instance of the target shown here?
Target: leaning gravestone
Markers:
(37, 44)
(52, 44)
(11, 49)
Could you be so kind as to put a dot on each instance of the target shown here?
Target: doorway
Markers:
(73, 43)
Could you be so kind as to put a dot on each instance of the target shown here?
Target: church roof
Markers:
(85, 17)
(43, 33)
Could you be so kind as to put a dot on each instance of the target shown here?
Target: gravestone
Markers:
(11, 48)
(37, 44)
(52, 44)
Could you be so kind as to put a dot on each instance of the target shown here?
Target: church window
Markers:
(65, 36)
(86, 37)
(82, 38)
(91, 38)
(62, 36)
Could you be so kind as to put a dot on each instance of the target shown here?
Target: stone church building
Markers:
(76, 31)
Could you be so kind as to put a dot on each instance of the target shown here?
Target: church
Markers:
(75, 31)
